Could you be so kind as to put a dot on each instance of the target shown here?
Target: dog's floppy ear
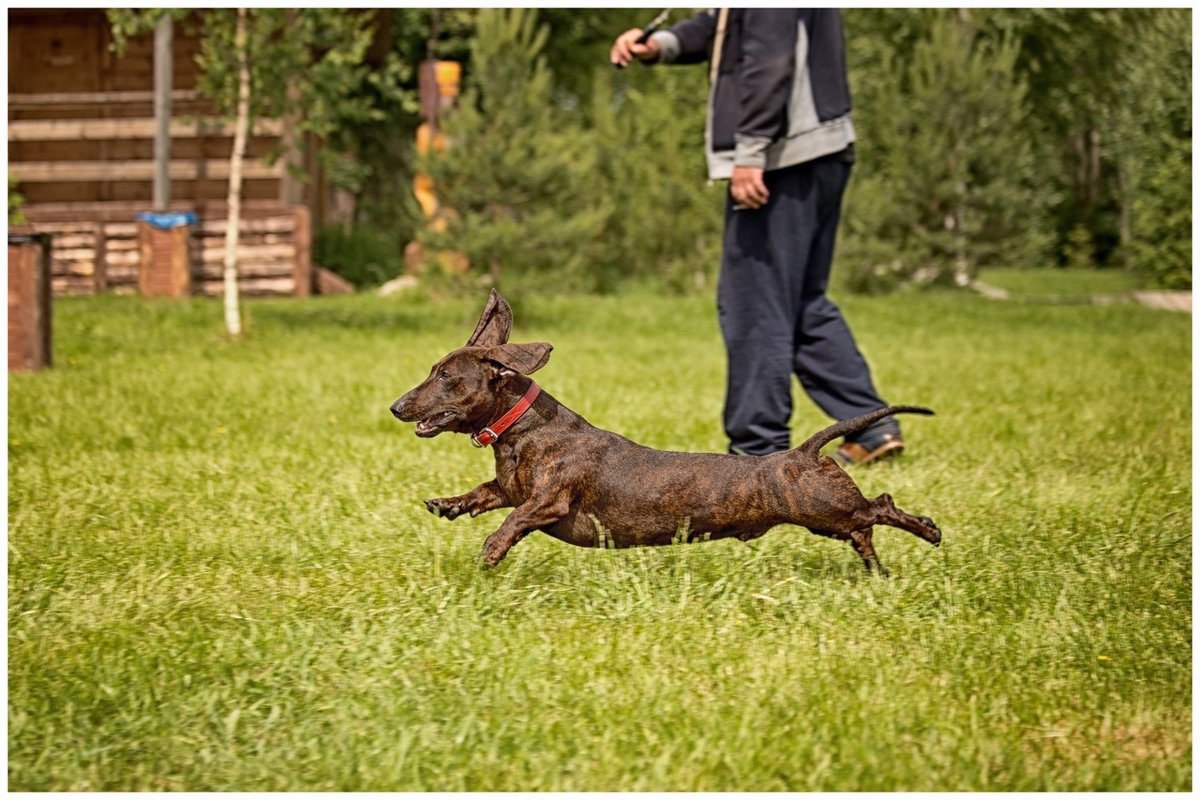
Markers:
(523, 358)
(494, 324)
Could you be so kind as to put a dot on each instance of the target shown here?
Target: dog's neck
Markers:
(490, 433)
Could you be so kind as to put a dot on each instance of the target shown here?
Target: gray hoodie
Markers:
(780, 96)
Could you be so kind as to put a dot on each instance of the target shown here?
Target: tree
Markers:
(667, 222)
(1152, 135)
(233, 314)
(948, 177)
(308, 65)
(516, 174)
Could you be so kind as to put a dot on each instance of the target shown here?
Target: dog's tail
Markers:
(814, 443)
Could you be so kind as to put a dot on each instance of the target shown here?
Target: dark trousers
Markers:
(775, 316)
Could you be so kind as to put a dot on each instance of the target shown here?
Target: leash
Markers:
(492, 432)
(718, 45)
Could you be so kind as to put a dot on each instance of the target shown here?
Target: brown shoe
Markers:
(874, 449)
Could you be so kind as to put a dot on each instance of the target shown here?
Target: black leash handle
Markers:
(649, 30)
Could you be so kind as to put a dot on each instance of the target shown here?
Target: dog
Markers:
(594, 488)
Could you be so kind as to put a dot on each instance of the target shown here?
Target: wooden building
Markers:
(81, 130)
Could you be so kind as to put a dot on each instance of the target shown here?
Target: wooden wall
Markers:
(81, 139)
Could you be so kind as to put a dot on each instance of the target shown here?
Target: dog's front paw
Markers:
(448, 507)
(493, 553)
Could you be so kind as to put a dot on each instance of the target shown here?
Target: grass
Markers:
(1066, 284)
(221, 576)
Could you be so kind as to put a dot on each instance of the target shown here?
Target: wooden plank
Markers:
(124, 211)
(86, 269)
(246, 269)
(85, 171)
(282, 252)
(216, 227)
(73, 253)
(123, 259)
(43, 130)
(28, 99)
(251, 287)
(68, 241)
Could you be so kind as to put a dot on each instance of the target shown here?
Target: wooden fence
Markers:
(102, 255)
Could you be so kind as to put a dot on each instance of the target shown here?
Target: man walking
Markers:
(779, 129)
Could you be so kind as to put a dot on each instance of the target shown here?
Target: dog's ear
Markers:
(524, 358)
(494, 324)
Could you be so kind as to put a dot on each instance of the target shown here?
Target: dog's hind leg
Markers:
(861, 540)
(884, 512)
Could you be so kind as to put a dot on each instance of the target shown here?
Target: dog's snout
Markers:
(397, 409)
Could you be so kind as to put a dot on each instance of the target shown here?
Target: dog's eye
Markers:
(443, 375)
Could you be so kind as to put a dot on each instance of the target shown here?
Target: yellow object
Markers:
(448, 74)
(427, 139)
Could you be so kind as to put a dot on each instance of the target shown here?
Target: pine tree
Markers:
(515, 173)
(950, 180)
(1154, 148)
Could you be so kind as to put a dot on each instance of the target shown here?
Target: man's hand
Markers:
(747, 187)
(625, 49)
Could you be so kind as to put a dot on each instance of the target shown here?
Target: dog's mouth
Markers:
(432, 426)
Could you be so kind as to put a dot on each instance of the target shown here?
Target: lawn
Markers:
(1065, 285)
(221, 576)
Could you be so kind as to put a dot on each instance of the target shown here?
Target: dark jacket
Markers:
(781, 96)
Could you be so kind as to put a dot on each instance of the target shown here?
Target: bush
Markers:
(15, 200)
(947, 181)
(363, 255)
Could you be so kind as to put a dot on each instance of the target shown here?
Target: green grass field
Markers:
(221, 576)
(1064, 284)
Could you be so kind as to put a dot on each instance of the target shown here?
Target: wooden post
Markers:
(302, 242)
(28, 301)
(100, 259)
(164, 268)
(162, 113)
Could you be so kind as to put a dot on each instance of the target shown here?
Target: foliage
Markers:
(666, 224)
(516, 175)
(283, 614)
(307, 65)
(612, 192)
(947, 181)
(1029, 137)
(15, 200)
(1153, 124)
(364, 255)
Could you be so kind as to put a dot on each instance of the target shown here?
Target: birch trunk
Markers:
(233, 314)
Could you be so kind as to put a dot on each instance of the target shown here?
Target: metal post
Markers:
(162, 113)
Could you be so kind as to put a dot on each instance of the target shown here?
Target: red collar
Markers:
(492, 432)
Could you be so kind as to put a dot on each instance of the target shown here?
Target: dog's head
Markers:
(466, 389)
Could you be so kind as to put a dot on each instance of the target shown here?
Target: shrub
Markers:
(365, 256)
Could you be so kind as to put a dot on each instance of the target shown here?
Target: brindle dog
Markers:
(593, 488)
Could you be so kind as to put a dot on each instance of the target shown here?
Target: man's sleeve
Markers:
(764, 81)
(687, 42)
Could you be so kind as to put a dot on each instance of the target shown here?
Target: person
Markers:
(779, 128)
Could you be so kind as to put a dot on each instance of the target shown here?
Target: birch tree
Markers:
(308, 66)
(233, 313)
